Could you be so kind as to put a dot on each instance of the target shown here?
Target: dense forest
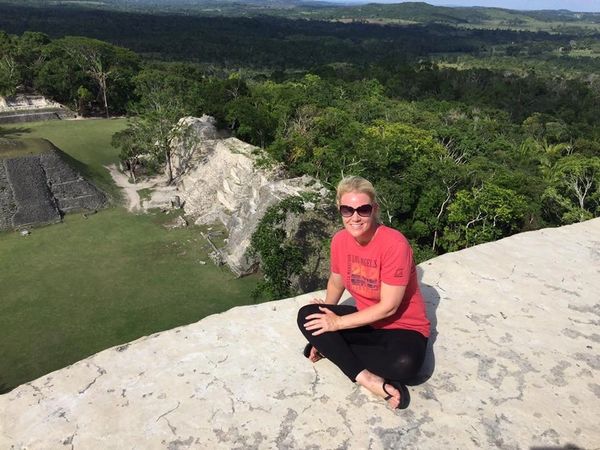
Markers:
(470, 135)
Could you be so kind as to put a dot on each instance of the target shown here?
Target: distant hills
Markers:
(398, 13)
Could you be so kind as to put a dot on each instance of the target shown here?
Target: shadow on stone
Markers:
(432, 300)
(312, 231)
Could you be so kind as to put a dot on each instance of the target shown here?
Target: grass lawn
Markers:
(72, 289)
(86, 141)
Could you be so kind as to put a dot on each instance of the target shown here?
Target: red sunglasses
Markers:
(362, 210)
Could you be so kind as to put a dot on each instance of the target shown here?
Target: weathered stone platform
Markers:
(515, 365)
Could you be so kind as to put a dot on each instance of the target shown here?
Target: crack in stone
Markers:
(69, 440)
(313, 385)
(563, 290)
(173, 429)
(100, 371)
(37, 391)
(342, 413)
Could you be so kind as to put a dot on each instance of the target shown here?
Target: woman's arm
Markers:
(335, 289)
(327, 320)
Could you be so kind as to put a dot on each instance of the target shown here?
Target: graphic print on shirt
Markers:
(363, 274)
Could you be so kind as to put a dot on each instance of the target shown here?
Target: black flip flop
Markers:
(404, 394)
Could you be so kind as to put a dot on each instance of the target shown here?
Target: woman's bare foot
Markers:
(315, 355)
(375, 383)
(312, 353)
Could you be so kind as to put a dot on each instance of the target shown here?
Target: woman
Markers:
(381, 343)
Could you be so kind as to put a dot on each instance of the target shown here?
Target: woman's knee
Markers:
(305, 311)
(406, 366)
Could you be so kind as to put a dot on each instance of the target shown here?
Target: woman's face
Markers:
(360, 228)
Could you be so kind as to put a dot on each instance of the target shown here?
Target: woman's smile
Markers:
(360, 228)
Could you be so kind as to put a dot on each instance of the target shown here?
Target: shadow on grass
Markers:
(81, 168)
(11, 133)
(5, 388)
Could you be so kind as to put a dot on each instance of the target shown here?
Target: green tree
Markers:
(158, 111)
(132, 144)
(10, 76)
(280, 257)
(103, 63)
(574, 191)
(481, 215)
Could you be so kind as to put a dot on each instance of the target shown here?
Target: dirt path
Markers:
(161, 194)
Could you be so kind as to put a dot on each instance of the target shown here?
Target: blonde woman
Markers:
(381, 342)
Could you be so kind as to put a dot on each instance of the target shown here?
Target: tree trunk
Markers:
(103, 87)
(169, 168)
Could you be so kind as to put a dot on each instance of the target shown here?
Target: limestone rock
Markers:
(28, 108)
(222, 180)
(513, 363)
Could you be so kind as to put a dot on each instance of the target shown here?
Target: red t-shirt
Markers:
(387, 258)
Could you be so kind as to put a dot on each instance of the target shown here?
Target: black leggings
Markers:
(396, 355)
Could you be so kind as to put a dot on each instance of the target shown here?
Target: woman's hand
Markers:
(320, 323)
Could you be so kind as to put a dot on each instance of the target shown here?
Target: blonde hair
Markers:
(357, 184)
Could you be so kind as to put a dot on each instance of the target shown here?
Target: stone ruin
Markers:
(225, 180)
(22, 108)
(512, 363)
(39, 189)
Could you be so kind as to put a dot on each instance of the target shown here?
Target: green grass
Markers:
(12, 148)
(87, 142)
(72, 289)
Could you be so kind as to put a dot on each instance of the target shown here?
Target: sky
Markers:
(573, 5)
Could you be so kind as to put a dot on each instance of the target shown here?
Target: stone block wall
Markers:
(35, 116)
(70, 189)
(8, 207)
(34, 200)
(40, 189)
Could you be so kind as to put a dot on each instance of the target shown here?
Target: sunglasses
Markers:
(362, 210)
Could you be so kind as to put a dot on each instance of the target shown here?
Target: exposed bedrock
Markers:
(513, 363)
(226, 180)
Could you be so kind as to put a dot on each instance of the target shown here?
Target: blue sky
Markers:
(573, 5)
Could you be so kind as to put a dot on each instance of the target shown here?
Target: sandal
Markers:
(404, 394)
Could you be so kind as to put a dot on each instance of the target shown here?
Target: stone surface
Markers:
(223, 180)
(40, 188)
(28, 108)
(34, 201)
(514, 363)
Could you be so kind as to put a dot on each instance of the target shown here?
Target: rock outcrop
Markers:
(29, 108)
(40, 188)
(513, 363)
(223, 180)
